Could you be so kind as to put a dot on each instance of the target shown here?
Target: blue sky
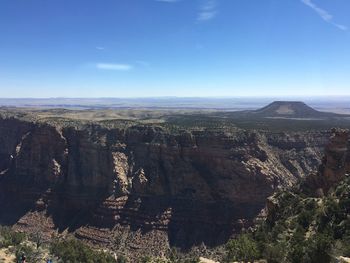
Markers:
(142, 48)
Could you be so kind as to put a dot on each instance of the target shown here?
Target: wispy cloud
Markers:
(208, 10)
(114, 66)
(342, 27)
(100, 48)
(326, 16)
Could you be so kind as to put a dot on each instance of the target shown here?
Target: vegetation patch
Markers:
(302, 230)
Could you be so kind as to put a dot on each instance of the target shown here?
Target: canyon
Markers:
(142, 188)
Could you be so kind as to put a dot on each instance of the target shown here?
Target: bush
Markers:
(262, 237)
(346, 246)
(305, 218)
(191, 260)
(10, 237)
(73, 250)
(277, 230)
(27, 251)
(297, 244)
(148, 259)
(243, 248)
(317, 249)
(344, 204)
(37, 238)
(122, 259)
(311, 204)
(275, 252)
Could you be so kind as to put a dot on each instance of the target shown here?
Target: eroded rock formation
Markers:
(335, 163)
(185, 188)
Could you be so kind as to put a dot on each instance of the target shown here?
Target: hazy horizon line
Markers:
(184, 97)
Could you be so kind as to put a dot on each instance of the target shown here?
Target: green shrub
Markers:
(305, 218)
(332, 207)
(344, 204)
(190, 260)
(317, 249)
(37, 238)
(346, 247)
(261, 236)
(297, 244)
(122, 259)
(277, 230)
(148, 259)
(73, 250)
(27, 251)
(10, 237)
(243, 248)
(275, 252)
(310, 205)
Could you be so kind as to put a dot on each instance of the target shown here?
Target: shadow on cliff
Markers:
(17, 202)
(189, 222)
(212, 224)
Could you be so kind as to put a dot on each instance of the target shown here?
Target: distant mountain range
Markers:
(329, 104)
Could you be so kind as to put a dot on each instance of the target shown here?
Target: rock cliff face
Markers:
(188, 187)
(312, 221)
(335, 163)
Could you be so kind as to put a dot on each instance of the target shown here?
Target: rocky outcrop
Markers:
(198, 186)
(312, 219)
(335, 164)
(333, 169)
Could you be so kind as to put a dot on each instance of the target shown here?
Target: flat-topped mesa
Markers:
(291, 109)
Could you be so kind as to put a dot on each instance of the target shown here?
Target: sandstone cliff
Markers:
(335, 164)
(181, 188)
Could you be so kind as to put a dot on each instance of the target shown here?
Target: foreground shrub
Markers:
(27, 251)
(8, 237)
(244, 248)
(275, 252)
(122, 259)
(73, 250)
(317, 249)
(148, 259)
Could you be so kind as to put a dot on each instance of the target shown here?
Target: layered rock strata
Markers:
(188, 187)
